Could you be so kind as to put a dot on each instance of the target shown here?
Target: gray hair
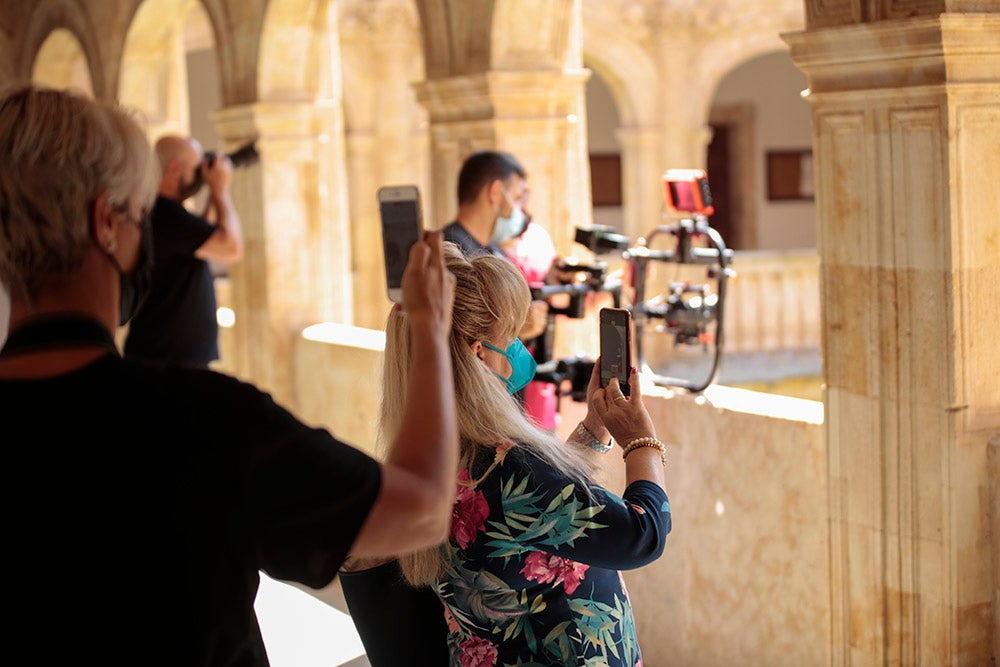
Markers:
(60, 150)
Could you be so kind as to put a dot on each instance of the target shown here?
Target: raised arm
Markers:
(226, 242)
(413, 508)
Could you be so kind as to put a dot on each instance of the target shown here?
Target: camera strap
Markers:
(49, 332)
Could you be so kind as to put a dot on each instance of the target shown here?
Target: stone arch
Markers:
(61, 63)
(631, 75)
(300, 32)
(153, 75)
(474, 36)
(724, 56)
(75, 31)
(456, 42)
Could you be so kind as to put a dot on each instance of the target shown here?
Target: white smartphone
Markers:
(402, 226)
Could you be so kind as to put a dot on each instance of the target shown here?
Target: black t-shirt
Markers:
(177, 321)
(143, 500)
(458, 235)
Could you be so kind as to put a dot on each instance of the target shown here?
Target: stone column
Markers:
(906, 118)
(536, 115)
(295, 269)
(386, 133)
(642, 167)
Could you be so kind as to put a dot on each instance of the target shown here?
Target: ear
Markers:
(477, 348)
(102, 222)
(495, 192)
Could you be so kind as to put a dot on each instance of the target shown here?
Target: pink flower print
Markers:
(638, 509)
(468, 514)
(478, 652)
(543, 568)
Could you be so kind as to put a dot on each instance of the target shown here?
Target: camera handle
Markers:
(574, 369)
(717, 257)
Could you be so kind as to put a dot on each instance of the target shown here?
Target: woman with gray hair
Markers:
(530, 572)
(150, 496)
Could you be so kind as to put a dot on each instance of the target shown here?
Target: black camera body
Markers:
(244, 156)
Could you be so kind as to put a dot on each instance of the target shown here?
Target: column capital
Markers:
(503, 95)
(279, 123)
(952, 48)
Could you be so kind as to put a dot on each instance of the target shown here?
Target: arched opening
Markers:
(169, 69)
(61, 63)
(605, 153)
(759, 159)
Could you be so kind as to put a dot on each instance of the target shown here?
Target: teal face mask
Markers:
(522, 365)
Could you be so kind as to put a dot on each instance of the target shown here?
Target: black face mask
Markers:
(135, 286)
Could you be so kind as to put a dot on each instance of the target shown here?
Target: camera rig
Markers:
(691, 312)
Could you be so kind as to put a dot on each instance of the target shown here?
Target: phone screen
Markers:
(401, 228)
(615, 349)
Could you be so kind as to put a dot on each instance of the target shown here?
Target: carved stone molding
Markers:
(888, 55)
(828, 13)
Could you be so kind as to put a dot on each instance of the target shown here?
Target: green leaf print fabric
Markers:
(532, 565)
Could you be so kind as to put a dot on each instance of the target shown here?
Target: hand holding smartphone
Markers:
(402, 226)
(616, 347)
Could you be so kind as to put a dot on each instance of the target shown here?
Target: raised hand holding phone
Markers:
(402, 227)
(616, 347)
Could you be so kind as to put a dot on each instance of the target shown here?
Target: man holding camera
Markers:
(493, 217)
(177, 320)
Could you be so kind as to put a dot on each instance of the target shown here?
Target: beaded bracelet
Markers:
(584, 433)
(648, 441)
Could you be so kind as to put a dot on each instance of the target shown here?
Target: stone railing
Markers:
(745, 574)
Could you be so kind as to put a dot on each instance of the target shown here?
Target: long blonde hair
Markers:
(491, 303)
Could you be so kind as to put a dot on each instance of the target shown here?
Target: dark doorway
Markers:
(720, 182)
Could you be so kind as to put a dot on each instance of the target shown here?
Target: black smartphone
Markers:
(402, 226)
(616, 347)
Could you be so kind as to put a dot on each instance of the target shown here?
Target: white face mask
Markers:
(508, 227)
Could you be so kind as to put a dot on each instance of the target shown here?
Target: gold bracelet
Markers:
(592, 442)
(645, 442)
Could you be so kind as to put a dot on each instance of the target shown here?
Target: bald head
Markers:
(179, 158)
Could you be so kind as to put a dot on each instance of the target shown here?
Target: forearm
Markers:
(644, 463)
(227, 221)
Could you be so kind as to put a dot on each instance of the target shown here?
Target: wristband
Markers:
(584, 433)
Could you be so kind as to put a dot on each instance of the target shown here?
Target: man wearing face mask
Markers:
(177, 320)
(492, 191)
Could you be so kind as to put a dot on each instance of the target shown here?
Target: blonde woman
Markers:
(530, 572)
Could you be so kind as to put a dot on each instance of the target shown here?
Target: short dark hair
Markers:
(482, 168)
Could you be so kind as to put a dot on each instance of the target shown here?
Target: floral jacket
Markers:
(532, 565)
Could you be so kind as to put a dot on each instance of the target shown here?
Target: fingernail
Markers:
(635, 371)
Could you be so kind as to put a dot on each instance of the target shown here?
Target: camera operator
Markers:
(492, 199)
(177, 321)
